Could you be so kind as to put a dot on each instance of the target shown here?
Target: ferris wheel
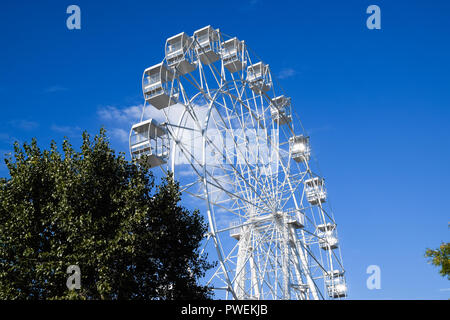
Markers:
(215, 117)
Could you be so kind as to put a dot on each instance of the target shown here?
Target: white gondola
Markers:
(232, 53)
(259, 77)
(150, 139)
(315, 190)
(180, 54)
(327, 236)
(326, 227)
(280, 110)
(299, 148)
(335, 274)
(207, 45)
(295, 218)
(159, 87)
(335, 283)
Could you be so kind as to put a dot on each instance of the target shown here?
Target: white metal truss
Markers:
(236, 144)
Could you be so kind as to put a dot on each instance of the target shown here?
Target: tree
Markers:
(130, 237)
(440, 257)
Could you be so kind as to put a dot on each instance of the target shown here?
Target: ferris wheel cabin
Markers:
(295, 218)
(259, 78)
(327, 235)
(280, 110)
(299, 148)
(233, 55)
(335, 283)
(208, 45)
(179, 54)
(315, 190)
(158, 88)
(148, 138)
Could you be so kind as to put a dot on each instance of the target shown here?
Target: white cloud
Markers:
(24, 124)
(125, 115)
(69, 131)
(120, 134)
(224, 219)
(286, 73)
(132, 114)
(119, 121)
(4, 137)
(7, 138)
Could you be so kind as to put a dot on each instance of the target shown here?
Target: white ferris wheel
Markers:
(215, 117)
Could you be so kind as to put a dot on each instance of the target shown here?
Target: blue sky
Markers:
(375, 102)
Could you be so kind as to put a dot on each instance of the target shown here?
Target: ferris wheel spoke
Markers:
(256, 179)
(189, 155)
(230, 193)
(242, 178)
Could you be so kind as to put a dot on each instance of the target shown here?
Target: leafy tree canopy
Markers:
(92, 208)
(440, 257)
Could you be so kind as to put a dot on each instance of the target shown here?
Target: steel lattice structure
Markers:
(215, 117)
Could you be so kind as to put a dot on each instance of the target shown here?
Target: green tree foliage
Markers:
(91, 208)
(440, 258)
